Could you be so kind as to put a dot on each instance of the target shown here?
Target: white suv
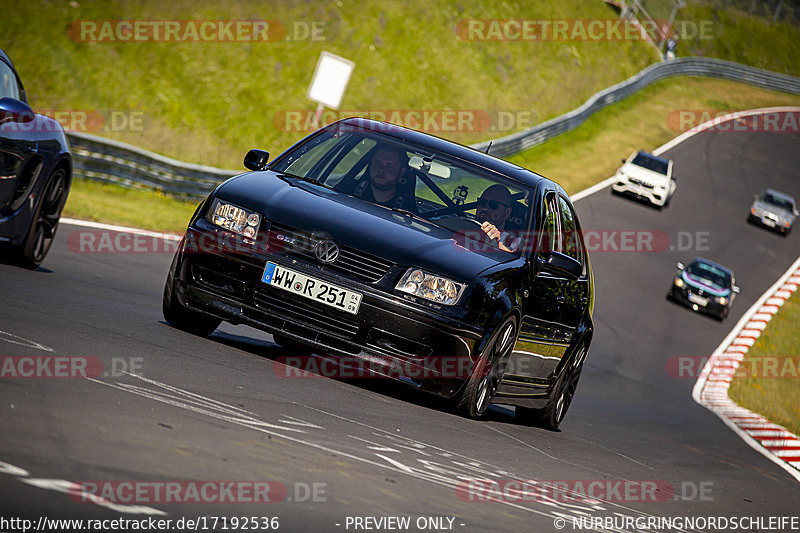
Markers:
(647, 177)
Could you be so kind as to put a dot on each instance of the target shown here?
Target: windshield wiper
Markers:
(407, 213)
(302, 178)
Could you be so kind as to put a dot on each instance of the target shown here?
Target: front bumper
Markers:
(431, 351)
(689, 297)
(654, 196)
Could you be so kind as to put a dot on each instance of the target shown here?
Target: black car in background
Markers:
(35, 173)
(304, 247)
(705, 286)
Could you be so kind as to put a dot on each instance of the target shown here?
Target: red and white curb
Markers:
(775, 442)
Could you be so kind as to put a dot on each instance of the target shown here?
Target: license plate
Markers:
(699, 300)
(768, 222)
(311, 288)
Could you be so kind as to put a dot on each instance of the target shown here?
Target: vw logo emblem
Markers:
(326, 251)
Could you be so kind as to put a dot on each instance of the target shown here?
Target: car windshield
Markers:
(777, 201)
(708, 274)
(651, 163)
(437, 187)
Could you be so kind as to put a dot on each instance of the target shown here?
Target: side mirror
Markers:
(735, 289)
(755, 197)
(623, 161)
(680, 265)
(256, 160)
(796, 213)
(560, 264)
(13, 110)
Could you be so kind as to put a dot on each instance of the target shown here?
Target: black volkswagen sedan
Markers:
(378, 243)
(705, 286)
(35, 173)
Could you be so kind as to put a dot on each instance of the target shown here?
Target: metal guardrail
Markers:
(115, 162)
(688, 66)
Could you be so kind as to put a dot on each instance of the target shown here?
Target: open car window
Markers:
(441, 189)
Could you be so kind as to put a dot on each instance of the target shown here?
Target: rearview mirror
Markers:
(13, 110)
(736, 289)
(560, 264)
(431, 168)
(256, 160)
(680, 265)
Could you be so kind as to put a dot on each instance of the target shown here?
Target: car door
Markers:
(535, 356)
(17, 142)
(576, 291)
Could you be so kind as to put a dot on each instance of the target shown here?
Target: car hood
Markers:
(635, 171)
(357, 224)
(698, 283)
(782, 214)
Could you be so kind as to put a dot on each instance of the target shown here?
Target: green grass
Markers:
(576, 159)
(775, 395)
(140, 208)
(738, 36)
(209, 102)
(646, 120)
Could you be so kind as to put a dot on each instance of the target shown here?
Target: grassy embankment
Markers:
(767, 382)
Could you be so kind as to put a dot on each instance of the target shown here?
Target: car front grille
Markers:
(294, 312)
(351, 262)
(642, 183)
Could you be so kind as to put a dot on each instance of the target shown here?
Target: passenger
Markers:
(493, 210)
(387, 181)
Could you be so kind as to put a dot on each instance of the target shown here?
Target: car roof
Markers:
(460, 151)
(5, 57)
(780, 194)
(713, 263)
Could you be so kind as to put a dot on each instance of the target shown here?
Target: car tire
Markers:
(180, 317)
(44, 224)
(552, 414)
(488, 371)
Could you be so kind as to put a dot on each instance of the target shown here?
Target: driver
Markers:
(494, 208)
(386, 180)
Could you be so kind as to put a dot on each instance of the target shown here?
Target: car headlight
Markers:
(234, 218)
(721, 300)
(430, 286)
(678, 282)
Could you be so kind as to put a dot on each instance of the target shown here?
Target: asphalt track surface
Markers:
(216, 409)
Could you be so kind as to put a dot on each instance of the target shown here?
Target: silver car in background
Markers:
(774, 210)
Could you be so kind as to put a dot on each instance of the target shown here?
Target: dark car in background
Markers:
(35, 173)
(774, 210)
(300, 248)
(705, 286)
